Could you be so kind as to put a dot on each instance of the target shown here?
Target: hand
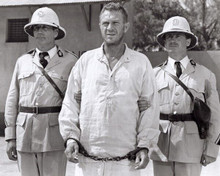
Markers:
(143, 105)
(142, 159)
(78, 96)
(72, 151)
(11, 150)
(205, 160)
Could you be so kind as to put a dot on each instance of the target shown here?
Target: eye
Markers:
(105, 24)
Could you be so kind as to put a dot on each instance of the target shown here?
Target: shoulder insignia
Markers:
(32, 52)
(192, 62)
(60, 53)
(162, 64)
(71, 52)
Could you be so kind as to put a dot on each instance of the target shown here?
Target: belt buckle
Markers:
(171, 117)
(36, 110)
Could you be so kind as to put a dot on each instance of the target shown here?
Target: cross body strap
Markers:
(181, 84)
(52, 82)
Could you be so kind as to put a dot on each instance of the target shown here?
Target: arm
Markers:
(69, 115)
(211, 149)
(11, 112)
(148, 124)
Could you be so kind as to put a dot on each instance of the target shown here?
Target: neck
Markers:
(114, 51)
(177, 56)
(45, 48)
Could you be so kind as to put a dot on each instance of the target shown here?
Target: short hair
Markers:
(112, 6)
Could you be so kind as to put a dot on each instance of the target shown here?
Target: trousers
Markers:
(42, 164)
(176, 169)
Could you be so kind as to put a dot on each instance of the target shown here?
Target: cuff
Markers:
(10, 133)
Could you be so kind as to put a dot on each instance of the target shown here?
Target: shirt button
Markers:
(177, 93)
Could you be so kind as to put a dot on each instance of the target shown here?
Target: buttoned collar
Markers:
(52, 52)
(184, 62)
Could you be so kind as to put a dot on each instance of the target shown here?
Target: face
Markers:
(176, 42)
(113, 27)
(45, 35)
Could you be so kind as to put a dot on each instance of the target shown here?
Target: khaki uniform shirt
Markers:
(29, 87)
(180, 141)
(108, 123)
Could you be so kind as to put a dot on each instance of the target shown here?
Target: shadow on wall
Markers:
(2, 124)
(210, 59)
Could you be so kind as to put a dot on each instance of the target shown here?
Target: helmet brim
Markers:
(194, 39)
(28, 28)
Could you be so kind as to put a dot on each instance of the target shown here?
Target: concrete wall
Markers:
(78, 37)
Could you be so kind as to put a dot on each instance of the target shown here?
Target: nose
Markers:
(110, 26)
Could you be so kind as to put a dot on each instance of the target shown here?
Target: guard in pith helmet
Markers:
(185, 143)
(177, 24)
(45, 16)
(35, 97)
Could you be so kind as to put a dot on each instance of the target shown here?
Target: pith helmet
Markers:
(45, 16)
(177, 24)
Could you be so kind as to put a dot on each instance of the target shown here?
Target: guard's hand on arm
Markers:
(78, 96)
(142, 105)
(205, 160)
(142, 159)
(11, 150)
(72, 151)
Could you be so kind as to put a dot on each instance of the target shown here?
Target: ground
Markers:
(9, 168)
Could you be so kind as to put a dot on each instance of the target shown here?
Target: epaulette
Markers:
(193, 63)
(31, 51)
(162, 64)
(71, 52)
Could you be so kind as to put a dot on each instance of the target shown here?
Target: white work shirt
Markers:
(108, 122)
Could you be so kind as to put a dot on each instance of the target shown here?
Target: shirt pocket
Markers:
(197, 88)
(26, 83)
(164, 92)
(53, 120)
(60, 81)
(21, 126)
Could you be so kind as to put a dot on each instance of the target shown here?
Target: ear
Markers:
(188, 42)
(56, 31)
(126, 27)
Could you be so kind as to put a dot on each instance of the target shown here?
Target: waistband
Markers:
(40, 110)
(176, 117)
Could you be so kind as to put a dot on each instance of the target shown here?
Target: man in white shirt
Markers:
(107, 124)
(181, 150)
(33, 104)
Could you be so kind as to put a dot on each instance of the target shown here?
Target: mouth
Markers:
(173, 45)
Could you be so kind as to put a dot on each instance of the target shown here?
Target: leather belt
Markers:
(176, 117)
(40, 110)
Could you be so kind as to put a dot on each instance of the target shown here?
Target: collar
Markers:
(102, 57)
(52, 52)
(184, 62)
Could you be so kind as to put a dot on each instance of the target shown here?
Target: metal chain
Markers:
(130, 156)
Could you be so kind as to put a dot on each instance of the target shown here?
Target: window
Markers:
(16, 30)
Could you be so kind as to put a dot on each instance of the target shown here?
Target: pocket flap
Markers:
(162, 85)
(191, 127)
(21, 119)
(60, 77)
(53, 120)
(25, 75)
